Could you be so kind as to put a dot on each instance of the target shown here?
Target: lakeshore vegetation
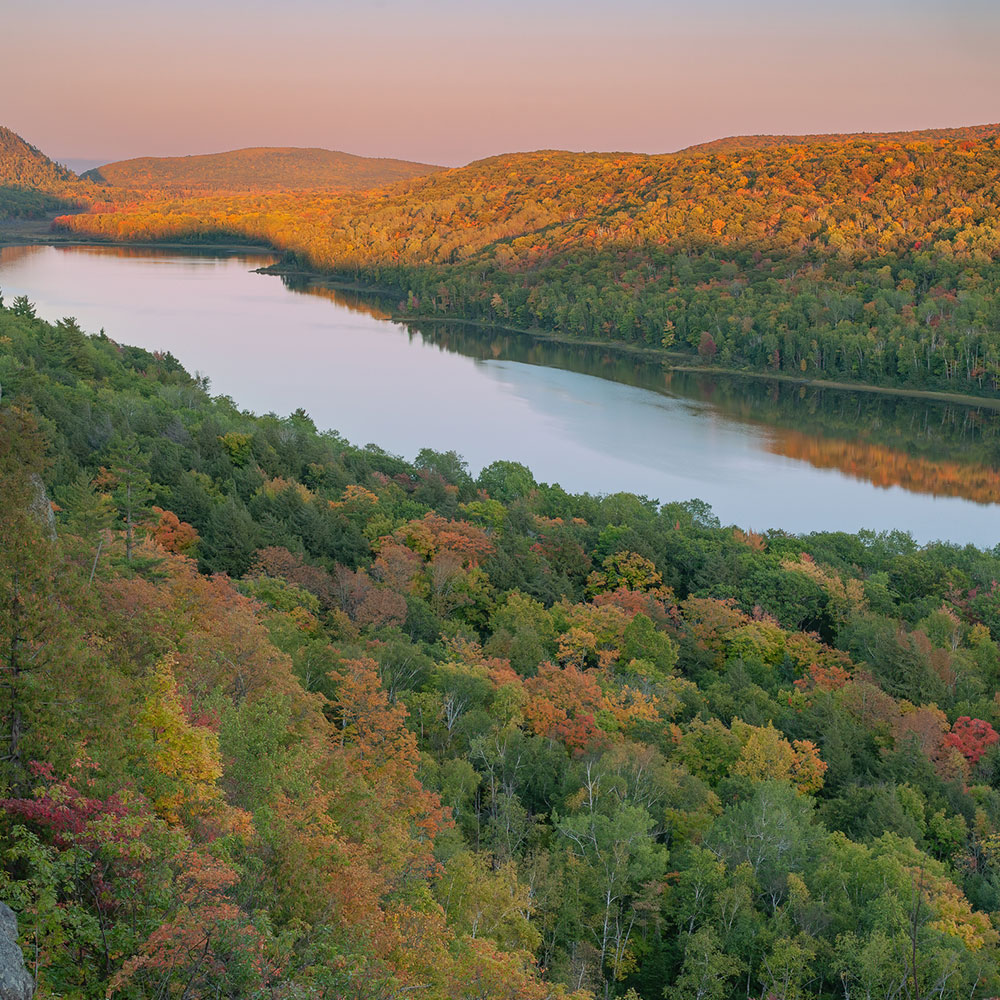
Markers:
(870, 258)
(864, 258)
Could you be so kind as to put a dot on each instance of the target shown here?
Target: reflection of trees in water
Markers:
(493, 344)
(939, 448)
(920, 428)
(925, 428)
(9, 255)
(366, 305)
(157, 253)
(886, 467)
(924, 446)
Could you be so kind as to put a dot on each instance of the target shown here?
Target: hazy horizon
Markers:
(82, 164)
(448, 83)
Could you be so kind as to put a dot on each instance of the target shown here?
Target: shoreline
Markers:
(23, 232)
(636, 350)
(36, 232)
(51, 240)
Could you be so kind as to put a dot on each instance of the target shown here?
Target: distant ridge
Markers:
(736, 142)
(261, 168)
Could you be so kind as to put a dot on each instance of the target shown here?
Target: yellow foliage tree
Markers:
(486, 902)
(185, 758)
(767, 756)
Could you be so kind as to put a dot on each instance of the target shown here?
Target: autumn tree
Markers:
(127, 477)
(27, 560)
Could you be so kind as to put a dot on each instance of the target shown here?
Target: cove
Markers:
(764, 455)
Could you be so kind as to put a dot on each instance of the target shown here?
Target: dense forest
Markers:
(284, 717)
(857, 258)
(256, 169)
(743, 142)
(32, 185)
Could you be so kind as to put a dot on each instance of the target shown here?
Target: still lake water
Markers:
(763, 455)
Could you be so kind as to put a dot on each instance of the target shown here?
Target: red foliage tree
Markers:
(706, 346)
(971, 738)
(171, 533)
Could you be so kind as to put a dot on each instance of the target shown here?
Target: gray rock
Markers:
(41, 507)
(15, 980)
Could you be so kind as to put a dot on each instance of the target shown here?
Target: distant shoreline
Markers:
(35, 232)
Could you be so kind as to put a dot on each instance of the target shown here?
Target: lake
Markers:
(764, 454)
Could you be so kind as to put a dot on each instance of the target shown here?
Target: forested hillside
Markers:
(284, 717)
(257, 169)
(30, 183)
(741, 142)
(865, 258)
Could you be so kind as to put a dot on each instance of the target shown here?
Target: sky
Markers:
(450, 81)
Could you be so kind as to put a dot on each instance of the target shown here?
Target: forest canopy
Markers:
(257, 169)
(285, 717)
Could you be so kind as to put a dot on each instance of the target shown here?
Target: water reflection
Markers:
(763, 454)
(10, 255)
(938, 448)
(159, 256)
(353, 301)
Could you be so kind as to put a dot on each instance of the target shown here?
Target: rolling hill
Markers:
(262, 168)
(732, 143)
(30, 183)
(23, 165)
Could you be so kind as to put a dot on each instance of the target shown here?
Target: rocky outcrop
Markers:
(15, 980)
(41, 507)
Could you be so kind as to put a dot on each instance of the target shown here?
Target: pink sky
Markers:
(451, 81)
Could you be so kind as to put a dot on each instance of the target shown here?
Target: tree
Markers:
(449, 465)
(183, 759)
(173, 534)
(971, 737)
(487, 901)
(383, 753)
(707, 969)
(706, 346)
(128, 477)
(787, 967)
(27, 560)
(621, 868)
(80, 858)
(767, 755)
(523, 632)
(206, 947)
(230, 539)
(772, 832)
(506, 481)
(87, 512)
